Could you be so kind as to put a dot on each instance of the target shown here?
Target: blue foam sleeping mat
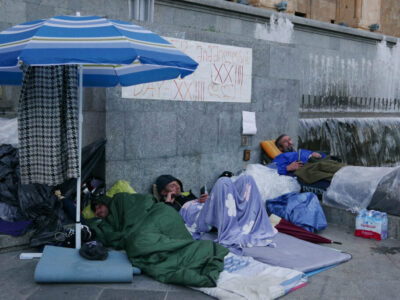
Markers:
(59, 264)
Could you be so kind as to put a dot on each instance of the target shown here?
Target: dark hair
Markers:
(226, 174)
(100, 200)
(278, 140)
(96, 197)
(93, 205)
(163, 180)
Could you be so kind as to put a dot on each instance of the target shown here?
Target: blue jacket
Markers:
(285, 159)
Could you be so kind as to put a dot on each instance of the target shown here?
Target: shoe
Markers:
(93, 251)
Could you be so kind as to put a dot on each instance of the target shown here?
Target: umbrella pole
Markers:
(78, 180)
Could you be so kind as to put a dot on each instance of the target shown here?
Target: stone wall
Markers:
(196, 141)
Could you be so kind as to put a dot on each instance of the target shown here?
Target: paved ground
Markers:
(372, 273)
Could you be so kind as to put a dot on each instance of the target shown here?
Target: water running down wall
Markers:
(364, 90)
(354, 76)
(357, 141)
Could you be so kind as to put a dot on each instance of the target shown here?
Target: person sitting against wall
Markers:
(309, 166)
(235, 209)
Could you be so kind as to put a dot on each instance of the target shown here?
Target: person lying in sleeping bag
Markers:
(156, 240)
(290, 160)
(235, 209)
(308, 166)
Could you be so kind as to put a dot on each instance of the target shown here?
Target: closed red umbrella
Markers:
(296, 231)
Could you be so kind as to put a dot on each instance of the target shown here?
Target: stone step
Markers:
(11, 243)
(347, 219)
(337, 216)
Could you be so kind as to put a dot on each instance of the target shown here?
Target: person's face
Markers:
(172, 187)
(101, 211)
(286, 144)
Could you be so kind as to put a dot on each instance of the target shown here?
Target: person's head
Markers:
(168, 184)
(284, 143)
(100, 208)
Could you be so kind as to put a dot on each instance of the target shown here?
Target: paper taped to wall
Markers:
(249, 123)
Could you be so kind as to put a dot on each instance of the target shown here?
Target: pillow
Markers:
(121, 186)
(270, 148)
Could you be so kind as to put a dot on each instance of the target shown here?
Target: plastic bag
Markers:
(9, 131)
(9, 172)
(9, 213)
(269, 183)
(352, 187)
(387, 195)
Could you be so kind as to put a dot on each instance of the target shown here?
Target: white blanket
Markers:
(270, 183)
(245, 278)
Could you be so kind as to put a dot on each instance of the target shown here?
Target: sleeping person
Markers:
(156, 240)
(234, 208)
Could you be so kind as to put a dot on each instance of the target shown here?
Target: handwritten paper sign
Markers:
(223, 75)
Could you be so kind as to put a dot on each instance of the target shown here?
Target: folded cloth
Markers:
(14, 228)
(303, 210)
(314, 171)
(48, 124)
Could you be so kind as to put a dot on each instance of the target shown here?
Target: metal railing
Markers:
(341, 104)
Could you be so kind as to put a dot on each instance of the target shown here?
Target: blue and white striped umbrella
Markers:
(112, 52)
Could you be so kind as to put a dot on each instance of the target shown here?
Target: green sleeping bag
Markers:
(156, 240)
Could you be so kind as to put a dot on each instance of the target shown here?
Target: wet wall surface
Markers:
(357, 141)
(197, 141)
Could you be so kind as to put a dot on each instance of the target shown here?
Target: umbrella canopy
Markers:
(109, 52)
(296, 231)
(112, 52)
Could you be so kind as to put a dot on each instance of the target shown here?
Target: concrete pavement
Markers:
(372, 273)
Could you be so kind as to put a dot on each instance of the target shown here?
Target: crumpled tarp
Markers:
(9, 213)
(301, 209)
(9, 175)
(353, 187)
(387, 195)
(236, 210)
(37, 202)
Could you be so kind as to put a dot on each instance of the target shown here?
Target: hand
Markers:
(294, 166)
(203, 198)
(316, 155)
(170, 197)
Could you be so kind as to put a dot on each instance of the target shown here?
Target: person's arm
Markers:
(284, 160)
(294, 166)
(170, 198)
(203, 198)
(318, 155)
(306, 154)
